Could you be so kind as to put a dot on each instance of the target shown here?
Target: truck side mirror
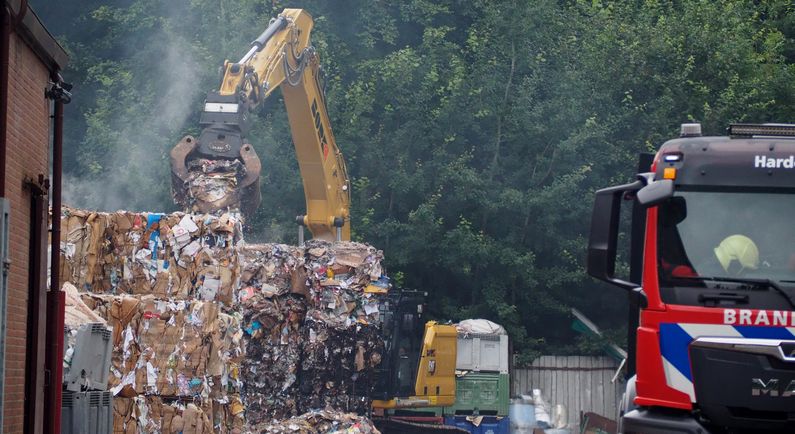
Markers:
(601, 262)
(655, 192)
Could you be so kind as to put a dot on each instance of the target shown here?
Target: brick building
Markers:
(31, 60)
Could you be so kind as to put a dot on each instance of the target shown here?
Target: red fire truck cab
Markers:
(715, 336)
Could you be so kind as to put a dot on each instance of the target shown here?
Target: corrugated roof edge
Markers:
(39, 38)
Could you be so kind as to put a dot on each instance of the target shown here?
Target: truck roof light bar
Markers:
(764, 130)
(690, 130)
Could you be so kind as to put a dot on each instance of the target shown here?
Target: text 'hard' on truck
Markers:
(712, 282)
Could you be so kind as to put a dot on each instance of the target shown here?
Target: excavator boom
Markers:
(222, 160)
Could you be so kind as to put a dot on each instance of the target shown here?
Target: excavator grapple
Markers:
(208, 183)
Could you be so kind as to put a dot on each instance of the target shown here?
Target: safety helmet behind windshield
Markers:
(737, 248)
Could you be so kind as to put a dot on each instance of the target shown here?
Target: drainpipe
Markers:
(56, 299)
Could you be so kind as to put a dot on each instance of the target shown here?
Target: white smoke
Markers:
(136, 175)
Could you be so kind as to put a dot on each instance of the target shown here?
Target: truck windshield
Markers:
(726, 235)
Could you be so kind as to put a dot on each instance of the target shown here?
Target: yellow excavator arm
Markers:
(281, 57)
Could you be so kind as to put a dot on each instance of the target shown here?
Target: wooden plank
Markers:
(595, 381)
(574, 403)
(560, 374)
(610, 388)
(517, 379)
(529, 379)
(586, 397)
(605, 386)
(548, 382)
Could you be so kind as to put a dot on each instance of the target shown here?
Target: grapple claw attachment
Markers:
(202, 183)
(179, 171)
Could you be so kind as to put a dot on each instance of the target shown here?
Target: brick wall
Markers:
(27, 156)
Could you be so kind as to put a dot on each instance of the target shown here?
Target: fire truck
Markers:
(712, 282)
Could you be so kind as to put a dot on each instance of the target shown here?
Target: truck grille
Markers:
(744, 383)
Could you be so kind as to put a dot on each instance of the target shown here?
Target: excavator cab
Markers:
(417, 370)
(403, 329)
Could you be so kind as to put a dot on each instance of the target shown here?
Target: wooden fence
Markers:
(580, 384)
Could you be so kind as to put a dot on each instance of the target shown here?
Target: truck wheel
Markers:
(626, 404)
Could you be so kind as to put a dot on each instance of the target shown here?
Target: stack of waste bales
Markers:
(312, 327)
(211, 332)
(154, 414)
(174, 353)
(338, 366)
(342, 344)
(165, 284)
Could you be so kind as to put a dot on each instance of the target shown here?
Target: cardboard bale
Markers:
(124, 421)
(346, 282)
(272, 269)
(273, 352)
(155, 414)
(227, 416)
(176, 255)
(338, 366)
(175, 348)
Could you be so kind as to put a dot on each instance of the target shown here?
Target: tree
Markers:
(475, 131)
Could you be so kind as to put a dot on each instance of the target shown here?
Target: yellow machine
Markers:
(418, 369)
(281, 57)
(434, 384)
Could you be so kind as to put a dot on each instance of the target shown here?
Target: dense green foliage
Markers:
(475, 131)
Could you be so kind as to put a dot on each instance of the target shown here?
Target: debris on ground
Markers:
(319, 422)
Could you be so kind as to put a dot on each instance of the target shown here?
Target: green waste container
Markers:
(481, 393)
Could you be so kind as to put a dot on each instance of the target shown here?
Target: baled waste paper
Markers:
(338, 366)
(209, 329)
(271, 366)
(212, 184)
(312, 331)
(177, 348)
(179, 256)
(154, 414)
